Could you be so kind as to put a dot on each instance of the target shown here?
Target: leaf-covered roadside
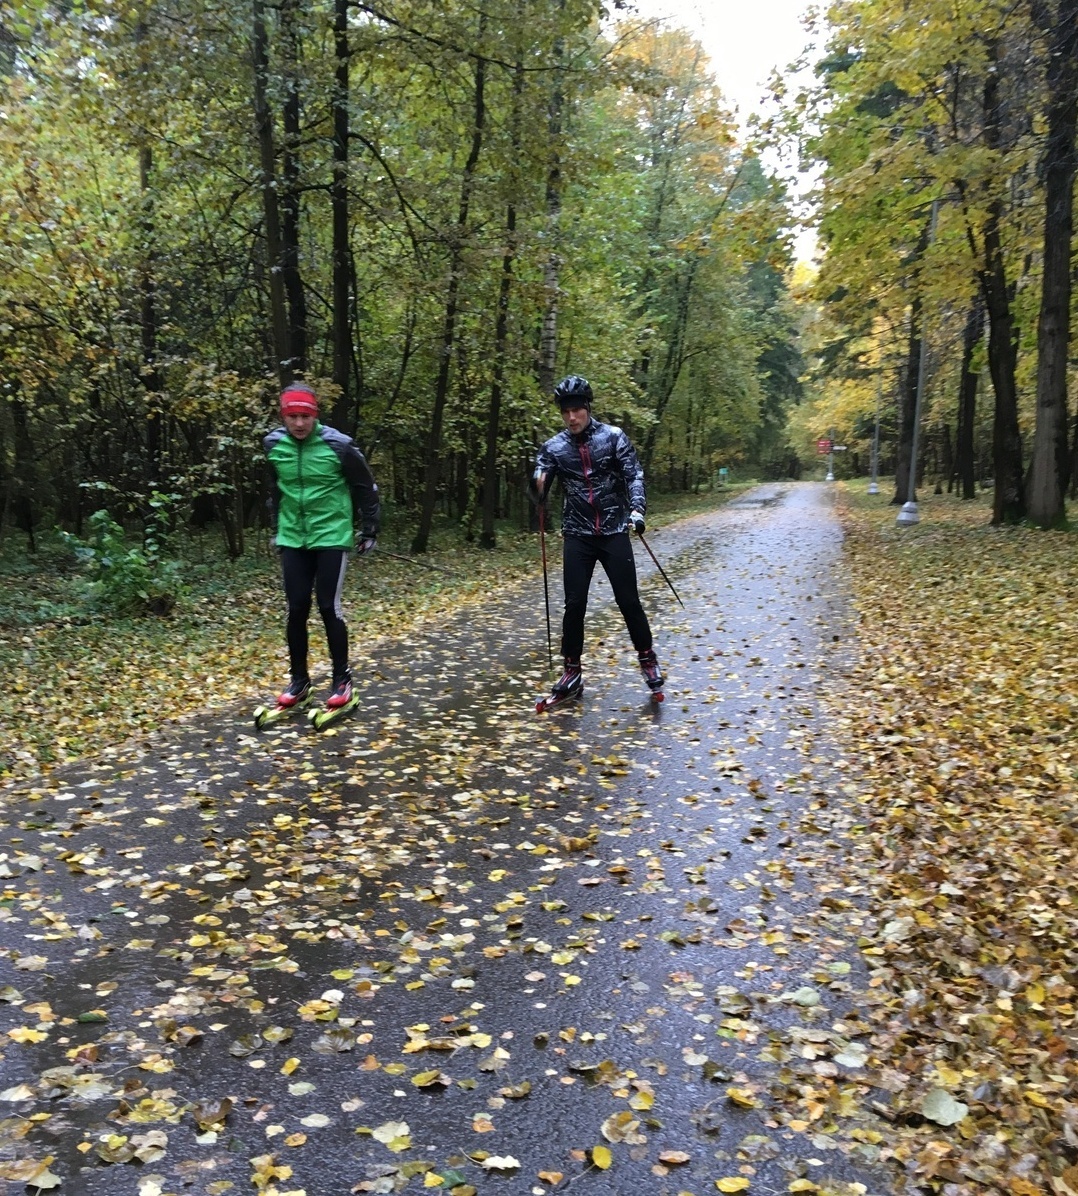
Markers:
(960, 714)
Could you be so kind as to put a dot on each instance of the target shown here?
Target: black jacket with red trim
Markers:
(601, 476)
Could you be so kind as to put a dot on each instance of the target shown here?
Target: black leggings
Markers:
(320, 570)
(615, 554)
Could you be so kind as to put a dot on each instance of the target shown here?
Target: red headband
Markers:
(299, 402)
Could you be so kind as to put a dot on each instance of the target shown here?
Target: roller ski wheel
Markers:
(657, 696)
(266, 716)
(323, 717)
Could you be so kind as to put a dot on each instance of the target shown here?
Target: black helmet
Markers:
(573, 391)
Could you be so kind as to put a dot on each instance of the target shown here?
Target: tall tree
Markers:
(1050, 462)
(280, 338)
(343, 415)
(457, 237)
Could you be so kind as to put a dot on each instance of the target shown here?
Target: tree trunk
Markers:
(1049, 466)
(487, 537)
(967, 400)
(907, 413)
(449, 318)
(1008, 501)
(946, 459)
(548, 337)
(148, 374)
(282, 351)
(343, 415)
(663, 388)
(24, 474)
(1008, 504)
(290, 198)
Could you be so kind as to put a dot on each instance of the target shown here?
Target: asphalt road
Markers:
(453, 938)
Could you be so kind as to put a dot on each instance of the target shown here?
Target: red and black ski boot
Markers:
(653, 676)
(570, 685)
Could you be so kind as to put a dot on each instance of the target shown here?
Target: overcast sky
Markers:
(745, 40)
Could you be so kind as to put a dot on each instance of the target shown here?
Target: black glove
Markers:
(365, 544)
(637, 520)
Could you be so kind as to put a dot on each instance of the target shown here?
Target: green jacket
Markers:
(321, 489)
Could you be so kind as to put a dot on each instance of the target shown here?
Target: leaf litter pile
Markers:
(958, 722)
(452, 946)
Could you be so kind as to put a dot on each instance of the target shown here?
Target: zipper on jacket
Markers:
(299, 480)
(585, 461)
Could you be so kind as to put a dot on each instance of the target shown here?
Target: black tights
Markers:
(320, 570)
(615, 554)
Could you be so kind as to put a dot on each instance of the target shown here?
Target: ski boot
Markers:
(340, 701)
(569, 686)
(295, 697)
(649, 666)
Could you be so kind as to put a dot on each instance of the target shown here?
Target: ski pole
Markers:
(661, 569)
(410, 560)
(546, 586)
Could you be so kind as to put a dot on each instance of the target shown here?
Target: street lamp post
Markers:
(909, 513)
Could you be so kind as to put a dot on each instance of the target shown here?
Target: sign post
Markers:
(826, 447)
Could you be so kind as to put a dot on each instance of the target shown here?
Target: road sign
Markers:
(823, 446)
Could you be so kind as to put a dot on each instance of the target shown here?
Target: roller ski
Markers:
(653, 677)
(567, 688)
(296, 697)
(339, 703)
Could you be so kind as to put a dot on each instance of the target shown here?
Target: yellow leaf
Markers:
(601, 1157)
(289, 1066)
(732, 1183)
(26, 1034)
(432, 1180)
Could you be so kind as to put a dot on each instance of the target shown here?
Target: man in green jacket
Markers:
(322, 497)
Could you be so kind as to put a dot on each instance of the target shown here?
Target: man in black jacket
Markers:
(604, 496)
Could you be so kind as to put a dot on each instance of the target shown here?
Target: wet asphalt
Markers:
(454, 944)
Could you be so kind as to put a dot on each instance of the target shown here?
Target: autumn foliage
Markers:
(957, 715)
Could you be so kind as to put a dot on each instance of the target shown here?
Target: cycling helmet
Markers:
(573, 391)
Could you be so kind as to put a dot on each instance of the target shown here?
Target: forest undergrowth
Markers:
(75, 683)
(957, 723)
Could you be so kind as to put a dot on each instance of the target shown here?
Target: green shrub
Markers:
(125, 579)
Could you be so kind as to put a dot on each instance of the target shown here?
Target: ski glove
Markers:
(637, 520)
(365, 544)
